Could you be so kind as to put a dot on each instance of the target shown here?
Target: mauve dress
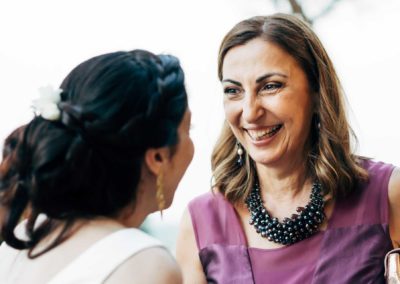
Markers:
(350, 250)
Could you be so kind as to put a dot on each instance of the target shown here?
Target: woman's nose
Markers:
(252, 108)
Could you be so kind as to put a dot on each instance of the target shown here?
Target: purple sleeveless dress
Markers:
(350, 250)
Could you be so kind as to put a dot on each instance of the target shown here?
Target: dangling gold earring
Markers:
(160, 193)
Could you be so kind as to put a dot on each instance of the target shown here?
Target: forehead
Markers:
(255, 57)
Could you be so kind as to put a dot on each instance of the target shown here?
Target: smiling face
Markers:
(267, 102)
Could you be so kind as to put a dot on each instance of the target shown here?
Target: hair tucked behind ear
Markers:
(113, 108)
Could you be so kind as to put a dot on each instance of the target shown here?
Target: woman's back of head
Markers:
(88, 162)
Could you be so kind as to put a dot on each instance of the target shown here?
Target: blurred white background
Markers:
(42, 40)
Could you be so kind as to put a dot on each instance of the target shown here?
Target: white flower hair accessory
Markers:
(46, 104)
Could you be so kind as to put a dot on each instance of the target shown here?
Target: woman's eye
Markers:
(271, 87)
(230, 91)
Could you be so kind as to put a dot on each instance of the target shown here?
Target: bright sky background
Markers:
(42, 40)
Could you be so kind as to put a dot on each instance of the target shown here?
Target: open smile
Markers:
(261, 134)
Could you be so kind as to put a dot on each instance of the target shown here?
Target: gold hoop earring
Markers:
(160, 193)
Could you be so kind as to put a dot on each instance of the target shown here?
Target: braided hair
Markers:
(113, 108)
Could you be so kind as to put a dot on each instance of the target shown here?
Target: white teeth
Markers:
(258, 134)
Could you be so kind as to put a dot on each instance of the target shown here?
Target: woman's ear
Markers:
(155, 158)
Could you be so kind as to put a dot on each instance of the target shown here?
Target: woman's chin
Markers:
(266, 157)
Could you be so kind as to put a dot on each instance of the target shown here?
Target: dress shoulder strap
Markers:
(368, 203)
(98, 262)
(380, 174)
(215, 221)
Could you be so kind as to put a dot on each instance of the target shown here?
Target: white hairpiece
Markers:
(46, 104)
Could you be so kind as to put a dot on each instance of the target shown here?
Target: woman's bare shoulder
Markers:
(152, 265)
(394, 186)
(394, 201)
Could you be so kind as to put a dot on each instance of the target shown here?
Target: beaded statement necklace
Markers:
(291, 230)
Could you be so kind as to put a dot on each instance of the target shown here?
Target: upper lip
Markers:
(259, 128)
(259, 132)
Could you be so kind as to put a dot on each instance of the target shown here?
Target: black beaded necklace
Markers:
(291, 230)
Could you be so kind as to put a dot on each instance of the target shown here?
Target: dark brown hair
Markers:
(113, 108)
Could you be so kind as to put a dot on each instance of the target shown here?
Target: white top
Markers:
(95, 264)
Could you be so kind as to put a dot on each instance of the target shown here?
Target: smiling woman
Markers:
(267, 102)
(289, 190)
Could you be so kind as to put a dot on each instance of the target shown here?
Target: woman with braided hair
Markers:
(102, 152)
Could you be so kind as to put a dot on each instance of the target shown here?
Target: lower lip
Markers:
(265, 141)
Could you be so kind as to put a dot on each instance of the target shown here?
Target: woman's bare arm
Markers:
(187, 253)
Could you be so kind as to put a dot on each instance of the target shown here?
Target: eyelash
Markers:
(228, 91)
(271, 87)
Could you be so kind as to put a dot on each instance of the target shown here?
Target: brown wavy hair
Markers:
(330, 159)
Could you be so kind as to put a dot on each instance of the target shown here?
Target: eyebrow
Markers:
(232, 81)
(267, 75)
(258, 80)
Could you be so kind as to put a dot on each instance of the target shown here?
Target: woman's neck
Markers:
(284, 182)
